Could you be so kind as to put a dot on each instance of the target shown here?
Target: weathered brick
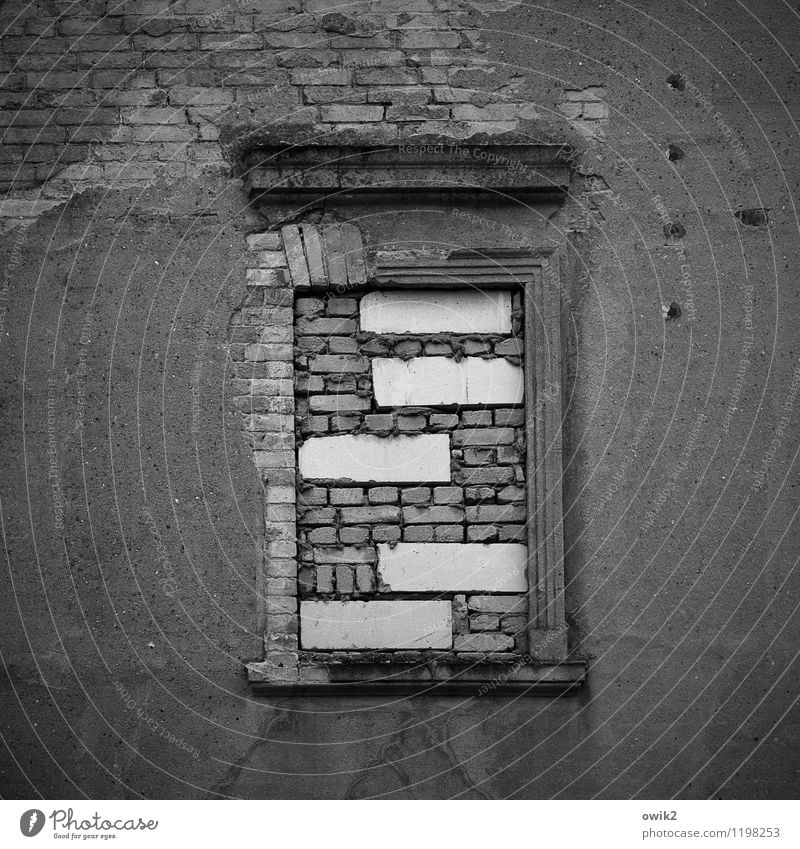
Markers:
(433, 515)
(353, 536)
(380, 421)
(484, 436)
(509, 418)
(309, 306)
(365, 578)
(383, 495)
(448, 495)
(418, 533)
(489, 513)
(510, 494)
(321, 77)
(415, 495)
(482, 533)
(498, 603)
(351, 113)
(513, 533)
(385, 76)
(324, 578)
(280, 604)
(316, 515)
(416, 113)
(484, 622)
(483, 642)
(344, 580)
(386, 533)
(429, 39)
(369, 515)
(477, 418)
(346, 495)
(342, 345)
(514, 624)
(338, 403)
(326, 326)
(323, 536)
(443, 421)
(312, 496)
(344, 554)
(411, 423)
(338, 364)
(341, 307)
(264, 241)
(448, 533)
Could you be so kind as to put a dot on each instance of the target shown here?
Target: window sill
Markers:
(381, 674)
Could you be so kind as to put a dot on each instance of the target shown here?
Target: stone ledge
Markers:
(436, 676)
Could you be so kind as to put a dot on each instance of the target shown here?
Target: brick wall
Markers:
(104, 93)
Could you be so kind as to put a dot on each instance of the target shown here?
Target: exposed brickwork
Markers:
(101, 93)
(339, 526)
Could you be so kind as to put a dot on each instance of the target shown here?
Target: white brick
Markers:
(454, 567)
(457, 311)
(432, 381)
(376, 625)
(373, 459)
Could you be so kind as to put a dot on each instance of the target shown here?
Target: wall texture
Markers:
(131, 508)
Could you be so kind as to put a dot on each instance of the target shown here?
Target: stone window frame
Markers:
(273, 271)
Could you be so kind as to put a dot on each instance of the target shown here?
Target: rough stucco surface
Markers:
(680, 480)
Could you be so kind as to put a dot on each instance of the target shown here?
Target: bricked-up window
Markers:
(411, 464)
(411, 456)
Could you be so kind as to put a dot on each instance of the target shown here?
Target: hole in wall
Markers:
(674, 153)
(674, 230)
(757, 217)
(676, 81)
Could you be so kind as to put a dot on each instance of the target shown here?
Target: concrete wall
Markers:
(131, 507)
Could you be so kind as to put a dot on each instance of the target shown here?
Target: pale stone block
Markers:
(454, 567)
(437, 311)
(364, 458)
(352, 625)
(436, 381)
